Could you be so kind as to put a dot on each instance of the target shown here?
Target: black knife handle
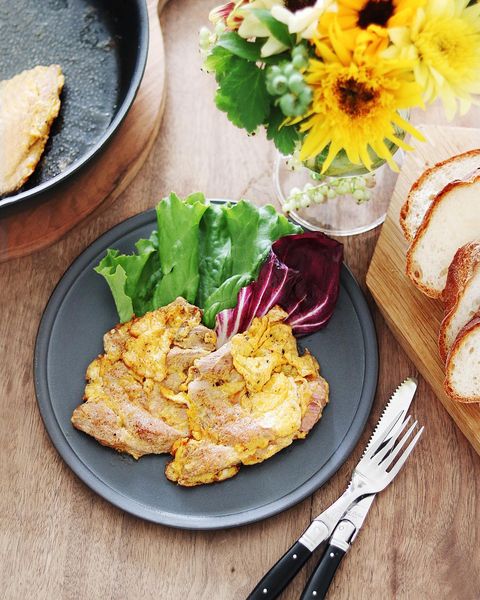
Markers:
(282, 573)
(322, 576)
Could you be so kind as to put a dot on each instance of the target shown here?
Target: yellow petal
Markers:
(332, 153)
(408, 127)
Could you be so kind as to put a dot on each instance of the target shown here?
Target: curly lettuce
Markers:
(203, 252)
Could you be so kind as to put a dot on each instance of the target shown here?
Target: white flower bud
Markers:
(305, 201)
(359, 195)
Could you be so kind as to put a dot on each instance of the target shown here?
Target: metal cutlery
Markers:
(374, 472)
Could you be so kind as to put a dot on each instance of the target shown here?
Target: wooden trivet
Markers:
(44, 220)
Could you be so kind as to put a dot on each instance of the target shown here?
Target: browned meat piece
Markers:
(201, 461)
(179, 360)
(131, 403)
(247, 401)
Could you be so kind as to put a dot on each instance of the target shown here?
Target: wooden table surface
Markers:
(58, 540)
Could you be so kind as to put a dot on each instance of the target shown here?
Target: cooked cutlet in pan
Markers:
(29, 103)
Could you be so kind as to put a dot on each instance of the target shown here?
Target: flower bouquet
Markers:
(333, 82)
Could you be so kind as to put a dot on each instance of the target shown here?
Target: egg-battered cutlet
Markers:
(161, 386)
(135, 398)
(247, 401)
(29, 103)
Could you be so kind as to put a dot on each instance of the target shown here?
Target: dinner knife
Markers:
(280, 575)
(348, 528)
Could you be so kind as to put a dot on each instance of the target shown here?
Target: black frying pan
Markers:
(101, 46)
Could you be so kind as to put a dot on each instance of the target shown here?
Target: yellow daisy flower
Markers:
(365, 23)
(444, 43)
(355, 107)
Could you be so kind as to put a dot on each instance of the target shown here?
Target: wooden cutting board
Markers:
(413, 318)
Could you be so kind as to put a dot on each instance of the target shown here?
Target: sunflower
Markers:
(444, 42)
(355, 107)
(365, 23)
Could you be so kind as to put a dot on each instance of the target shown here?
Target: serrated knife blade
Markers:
(399, 403)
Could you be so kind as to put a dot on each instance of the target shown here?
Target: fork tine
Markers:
(383, 452)
(374, 448)
(406, 453)
(391, 457)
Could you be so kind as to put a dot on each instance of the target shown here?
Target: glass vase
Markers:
(351, 199)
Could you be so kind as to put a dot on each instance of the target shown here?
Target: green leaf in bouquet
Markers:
(277, 29)
(284, 137)
(227, 105)
(277, 59)
(243, 95)
(233, 43)
(219, 61)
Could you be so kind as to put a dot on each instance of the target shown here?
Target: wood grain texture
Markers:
(414, 318)
(59, 541)
(43, 220)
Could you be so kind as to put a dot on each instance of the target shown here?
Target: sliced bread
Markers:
(462, 376)
(431, 183)
(461, 295)
(452, 221)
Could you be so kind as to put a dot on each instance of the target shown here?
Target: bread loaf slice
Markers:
(462, 377)
(452, 221)
(431, 183)
(461, 295)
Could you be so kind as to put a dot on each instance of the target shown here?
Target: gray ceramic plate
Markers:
(79, 312)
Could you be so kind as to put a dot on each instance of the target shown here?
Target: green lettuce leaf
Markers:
(178, 244)
(215, 252)
(132, 278)
(203, 252)
(251, 231)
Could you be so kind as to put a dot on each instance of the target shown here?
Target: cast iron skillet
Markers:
(101, 46)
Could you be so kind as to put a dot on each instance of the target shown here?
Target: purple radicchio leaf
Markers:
(301, 275)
